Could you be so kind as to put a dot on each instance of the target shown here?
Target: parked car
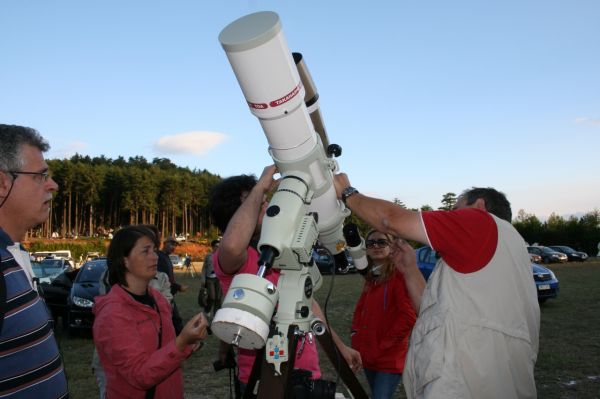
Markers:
(55, 291)
(325, 262)
(64, 253)
(178, 261)
(535, 258)
(45, 272)
(56, 263)
(426, 260)
(572, 255)
(545, 280)
(81, 298)
(548, 255)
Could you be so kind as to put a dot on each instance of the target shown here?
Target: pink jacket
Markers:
(126, 336)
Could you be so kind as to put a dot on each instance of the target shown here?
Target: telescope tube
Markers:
(269, 78)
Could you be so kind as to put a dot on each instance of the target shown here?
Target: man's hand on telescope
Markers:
(341, 181)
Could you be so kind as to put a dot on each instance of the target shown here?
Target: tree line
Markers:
(98, 195)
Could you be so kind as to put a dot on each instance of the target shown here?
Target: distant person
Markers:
(385, 315)
(137, 345)
(237, 206)
(210, 283)
(30, 362)
(166, 266)
(477, 330)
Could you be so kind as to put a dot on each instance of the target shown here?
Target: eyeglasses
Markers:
(39, 176)
(382, 243)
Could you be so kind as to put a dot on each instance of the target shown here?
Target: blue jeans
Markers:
(383, 385)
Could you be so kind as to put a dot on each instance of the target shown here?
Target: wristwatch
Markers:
(348, 191)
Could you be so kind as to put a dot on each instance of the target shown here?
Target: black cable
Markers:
(12, 183)
(337, 352)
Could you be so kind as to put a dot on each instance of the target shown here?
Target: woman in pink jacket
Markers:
(133, 331)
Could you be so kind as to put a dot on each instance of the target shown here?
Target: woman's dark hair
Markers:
(120, 247)
(154, 229)
(226, 197)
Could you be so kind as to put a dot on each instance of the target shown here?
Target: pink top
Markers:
(307, 360)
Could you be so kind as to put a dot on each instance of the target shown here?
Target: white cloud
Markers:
(195, 143)
(586, 120)
(72, 148)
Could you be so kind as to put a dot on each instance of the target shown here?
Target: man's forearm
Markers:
(387, 217)
(415, 285)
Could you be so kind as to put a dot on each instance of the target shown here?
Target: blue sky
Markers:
(424, 97)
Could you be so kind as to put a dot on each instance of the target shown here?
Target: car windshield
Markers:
(42, 270)
(53, 263)
(548, 250)
(91, 272)
(565, 250)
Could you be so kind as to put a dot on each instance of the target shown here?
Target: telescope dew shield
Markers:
(269, 79)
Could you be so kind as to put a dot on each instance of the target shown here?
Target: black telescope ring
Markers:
(293, 192)
(296, 194)
(312, 100)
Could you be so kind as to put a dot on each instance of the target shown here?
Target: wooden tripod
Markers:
(279, 386)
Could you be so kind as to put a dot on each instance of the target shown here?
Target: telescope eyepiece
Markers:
(334, 150)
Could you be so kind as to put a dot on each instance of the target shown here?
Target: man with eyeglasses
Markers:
(477, 329)
(30, 364)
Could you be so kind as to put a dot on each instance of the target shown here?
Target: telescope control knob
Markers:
(334, 150)
(304, 311)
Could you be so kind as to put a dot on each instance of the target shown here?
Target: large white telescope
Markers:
(305, 207)
(269, 79)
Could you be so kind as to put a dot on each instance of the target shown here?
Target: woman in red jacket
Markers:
(133, 331)
(385, 314)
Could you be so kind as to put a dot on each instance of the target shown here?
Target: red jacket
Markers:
(126, 336)
(382, 323)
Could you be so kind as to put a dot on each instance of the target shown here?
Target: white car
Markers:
(177, 261)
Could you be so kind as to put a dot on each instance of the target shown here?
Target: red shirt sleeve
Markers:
(465, 238)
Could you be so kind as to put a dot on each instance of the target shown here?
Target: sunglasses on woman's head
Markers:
(382, 242)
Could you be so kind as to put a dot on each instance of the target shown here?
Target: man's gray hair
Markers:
(12, 139)
(495, 201)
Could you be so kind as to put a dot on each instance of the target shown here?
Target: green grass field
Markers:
(568, 363)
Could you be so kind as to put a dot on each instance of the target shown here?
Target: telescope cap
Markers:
(250, 31)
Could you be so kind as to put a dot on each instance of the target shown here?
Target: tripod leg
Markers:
(277, 386)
